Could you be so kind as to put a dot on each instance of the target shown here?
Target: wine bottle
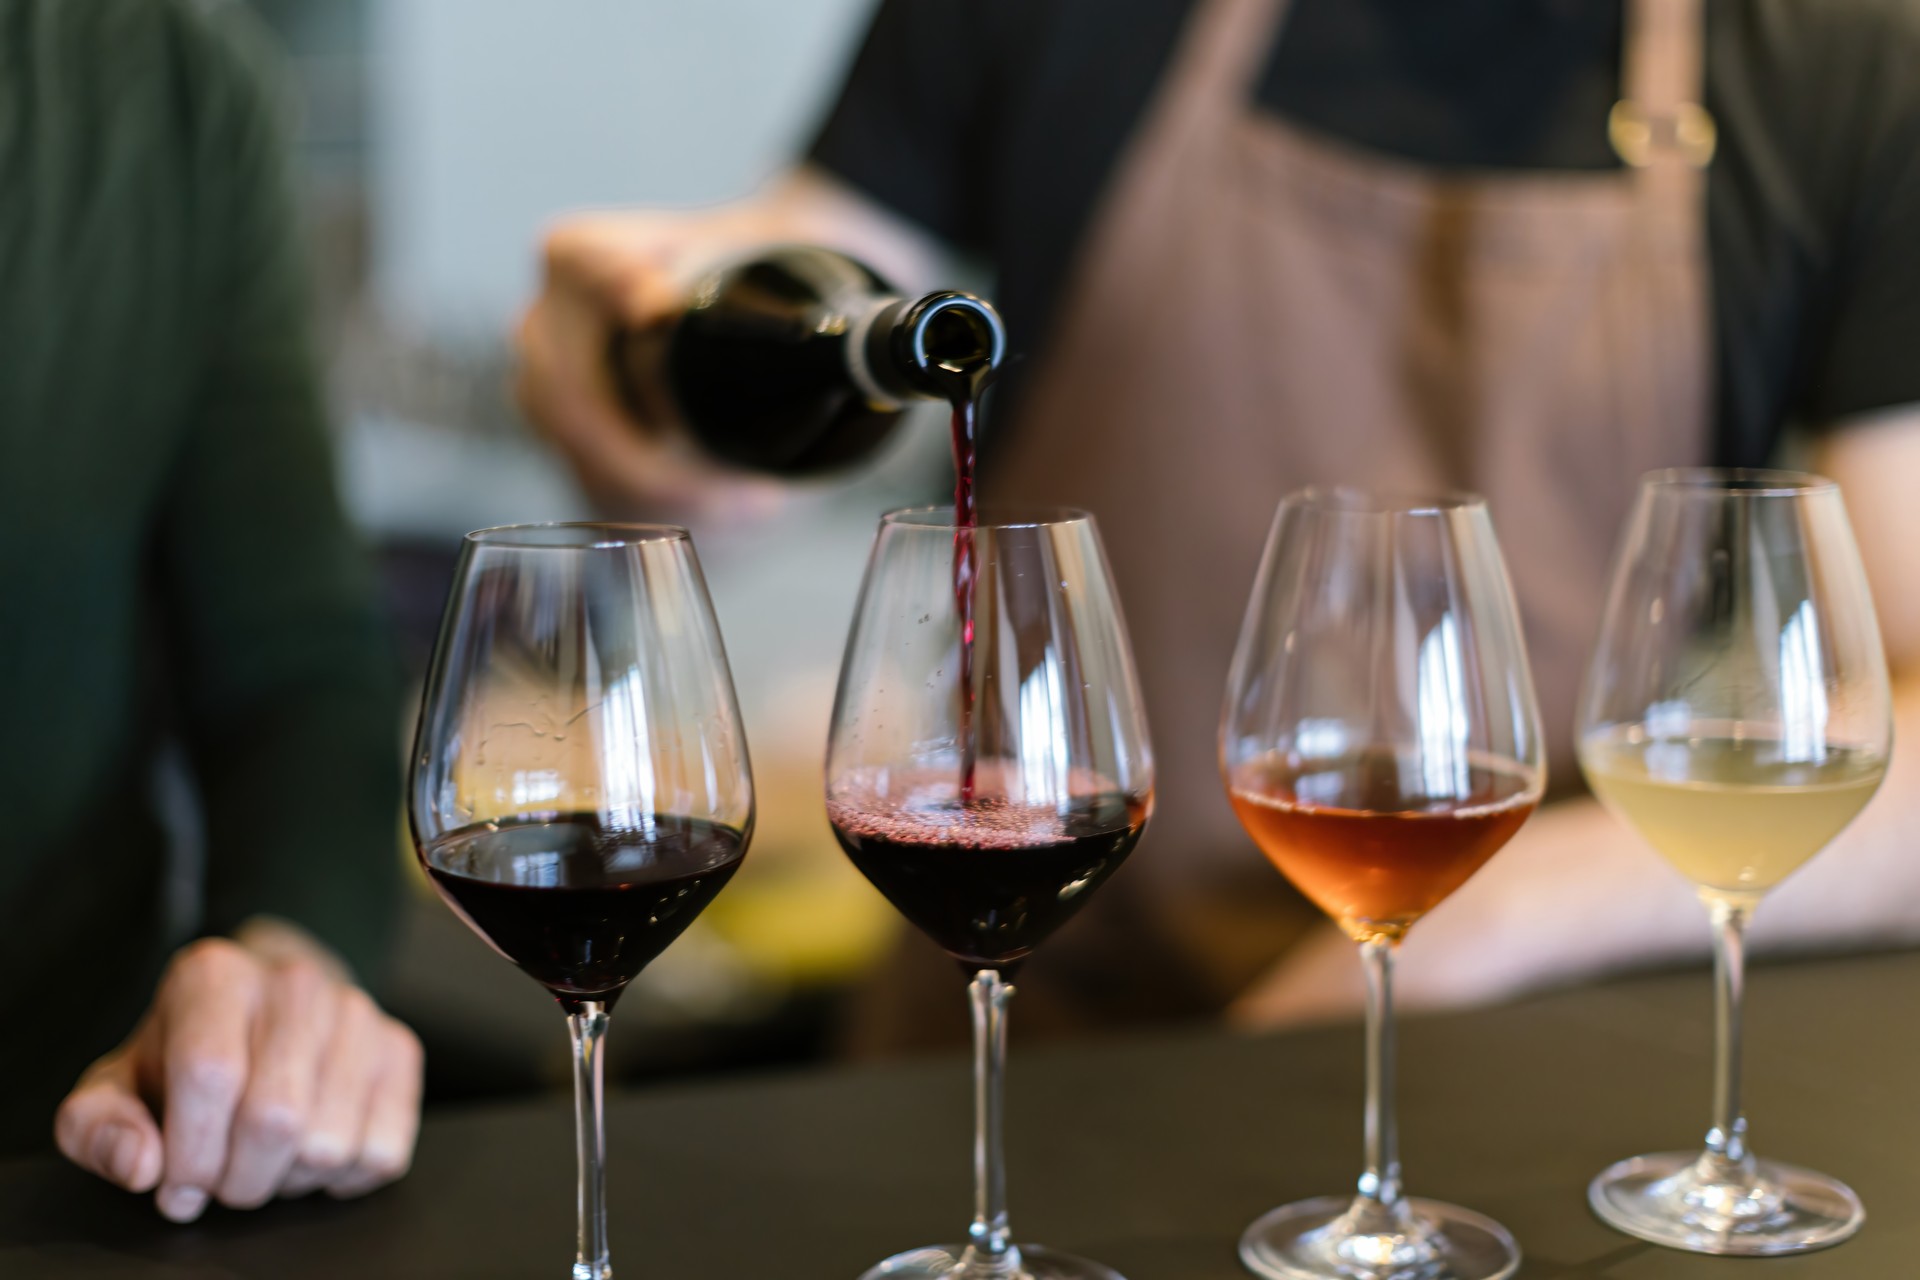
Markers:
(801, 360)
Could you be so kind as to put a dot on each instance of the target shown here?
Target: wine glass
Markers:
(987, 770)
(1380, 742)
(580, 788)
(1737, 715)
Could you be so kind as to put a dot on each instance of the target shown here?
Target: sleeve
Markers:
(287, 678)
(912, 127)
(1871, 357)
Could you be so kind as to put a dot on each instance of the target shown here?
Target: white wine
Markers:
(1734, 815)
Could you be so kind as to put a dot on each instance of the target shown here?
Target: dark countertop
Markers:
(1150, 1154)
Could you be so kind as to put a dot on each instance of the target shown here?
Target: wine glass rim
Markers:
(575, 535)
(992, 516)
(1344, 499)
(1745, 482)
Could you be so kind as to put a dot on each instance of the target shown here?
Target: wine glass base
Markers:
(1316, 1240)
(943, 1262)
(1676, 1199)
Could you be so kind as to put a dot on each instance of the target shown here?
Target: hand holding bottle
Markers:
(602, 274)
(628, 271)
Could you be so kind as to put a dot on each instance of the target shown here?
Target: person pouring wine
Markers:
(1247, 245)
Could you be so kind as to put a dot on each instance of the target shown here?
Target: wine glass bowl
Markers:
(580, 787)
(1380, 742)
(1737, 714)
(989, 878)
(987, 770)
(1369, 849)
(988, 786)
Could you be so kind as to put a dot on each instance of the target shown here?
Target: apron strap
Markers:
(1660, 120)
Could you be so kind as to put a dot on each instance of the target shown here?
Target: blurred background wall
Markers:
(490, 114)
(436, 139)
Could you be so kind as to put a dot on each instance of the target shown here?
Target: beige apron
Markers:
(1258, 309)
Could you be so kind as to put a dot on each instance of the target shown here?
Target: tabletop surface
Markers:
(1150, 1154)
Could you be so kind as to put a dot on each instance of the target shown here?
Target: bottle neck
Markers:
(870, 359)
(944, 346)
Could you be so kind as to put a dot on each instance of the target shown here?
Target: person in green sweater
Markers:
(175, 568)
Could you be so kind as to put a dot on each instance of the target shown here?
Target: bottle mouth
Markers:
(955, 342)
(944, 346)
(955, 334)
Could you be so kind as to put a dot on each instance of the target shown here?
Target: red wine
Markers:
(962, 380)
(966, 516)
(580, 906)
(965, 512)
(989, 878)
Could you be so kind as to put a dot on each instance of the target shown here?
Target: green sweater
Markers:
(174, 563)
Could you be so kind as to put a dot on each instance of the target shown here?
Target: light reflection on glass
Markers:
(1044, 758)
(1321, 739)
(1441, 712)
(626, 755)
(537, 869)
(1803, 689)
(533, 786)
(1321, 788)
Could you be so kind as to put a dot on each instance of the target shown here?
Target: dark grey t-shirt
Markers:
(997, 123)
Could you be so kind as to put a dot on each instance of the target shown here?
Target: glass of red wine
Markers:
(1380, 742)
(988, 769)
(580, 788)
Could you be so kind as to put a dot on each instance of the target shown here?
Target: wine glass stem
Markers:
(589, 1027)
(990, 1251)
(1380, 1184)
(1727, 1140)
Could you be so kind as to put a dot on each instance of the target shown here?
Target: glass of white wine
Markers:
(1738, 715)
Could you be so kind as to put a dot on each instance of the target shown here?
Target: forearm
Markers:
(1576, 894)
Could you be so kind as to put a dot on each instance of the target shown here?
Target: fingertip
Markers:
(138, 1161)
(110, 1137)
(103, 1153)
(79, 1116)
(69, 1132)
(181, 1204)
